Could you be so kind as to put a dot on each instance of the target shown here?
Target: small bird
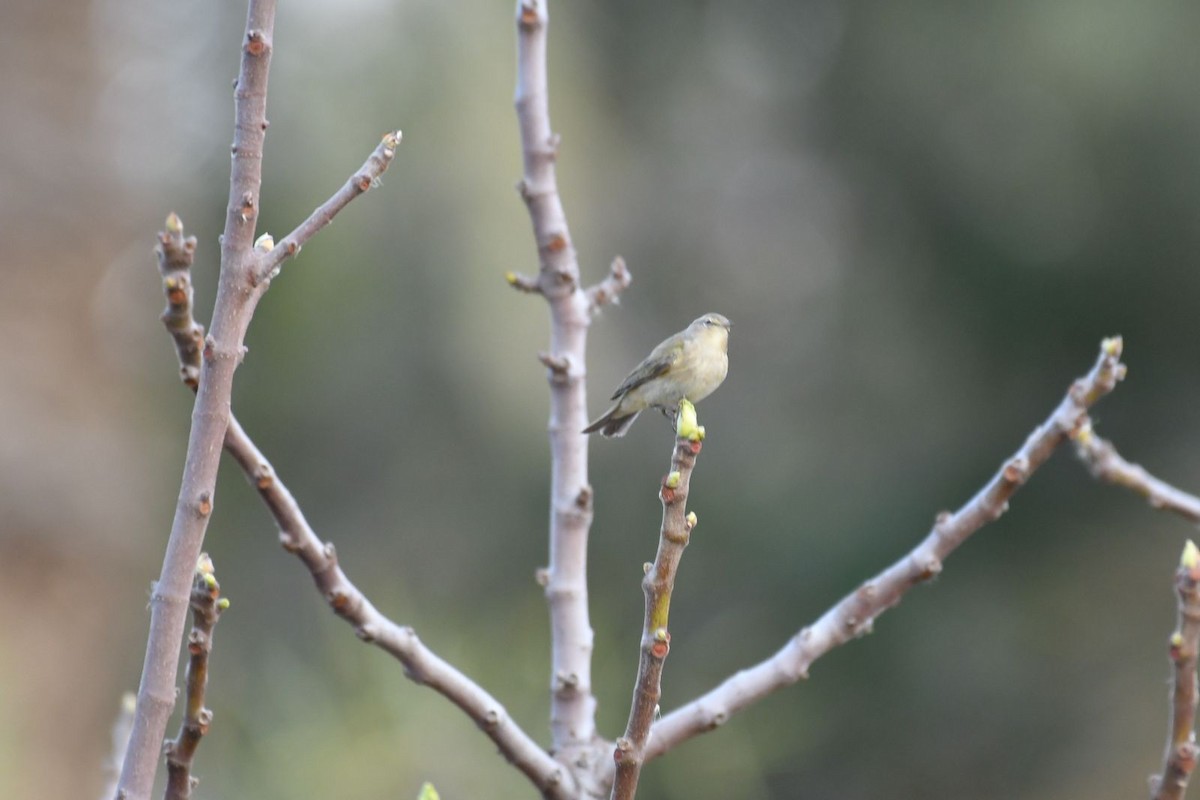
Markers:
(690, 364)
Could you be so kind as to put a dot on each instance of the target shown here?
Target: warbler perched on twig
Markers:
(690, 364)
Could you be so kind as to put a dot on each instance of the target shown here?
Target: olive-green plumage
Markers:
(690, 364)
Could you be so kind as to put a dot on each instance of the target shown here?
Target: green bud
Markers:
(685, 422)
(1191, 556)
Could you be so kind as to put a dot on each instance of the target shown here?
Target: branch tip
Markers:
(559, 365)
(528, 18)
(523, 283)
(609, 290)
(1190, 559)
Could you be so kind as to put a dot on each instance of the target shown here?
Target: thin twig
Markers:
(367, 177)
(175, 256)
(421, 664)
(523, 283)
(122, 727)
(854, 615)
(1180, 757)
(207, 606)
(658, 586)
(609, 290)
(573, 707)
(233, 308)
(1106, 464)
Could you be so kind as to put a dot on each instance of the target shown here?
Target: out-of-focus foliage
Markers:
(921, 219)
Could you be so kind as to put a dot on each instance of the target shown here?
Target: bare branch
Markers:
(366, 178)
(207, 605)
(658, 586)
(523, 283)
(573, 707)
(1180, 757)
(609, 290)
(421, 664)
(222, 352)
(175, 256)
(855, 614)
(1106, 464)
(122, 727)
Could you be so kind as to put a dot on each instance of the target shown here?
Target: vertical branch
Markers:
(237, 295)
(207, 605)
(658, 585)
(572, 716)
(120, 740)
(1180, 758)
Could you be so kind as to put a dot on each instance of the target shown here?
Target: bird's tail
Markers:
(610, 425)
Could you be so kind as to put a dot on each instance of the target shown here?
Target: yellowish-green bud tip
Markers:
(174, 223)
(129, 702)
(685, 422)
(210, 580)
(692, 519)
(264, 243)
(1112, 346)
(1083, 434)
(223, 604)
(661, 635)
(673, 480)
(1176, 640)
(204, 564)
(646, 567)
(1191, 556)
(511, 277)
(427, 792)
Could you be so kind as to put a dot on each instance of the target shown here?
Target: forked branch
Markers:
(209, 369)
(297, 536)
(232, 310)
(855, 614)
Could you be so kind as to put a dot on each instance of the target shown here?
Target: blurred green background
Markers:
(921, 217)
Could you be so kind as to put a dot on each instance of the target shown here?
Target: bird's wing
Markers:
(657, 363)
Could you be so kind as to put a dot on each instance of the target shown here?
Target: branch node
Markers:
(263, 476)
(1016, 471)
(491, 718)
(256, 43)
(609, 290)
(528, 19)
(559, 366)
(523, 283)
(583, 500)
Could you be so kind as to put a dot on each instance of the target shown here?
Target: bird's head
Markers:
(714, 327)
